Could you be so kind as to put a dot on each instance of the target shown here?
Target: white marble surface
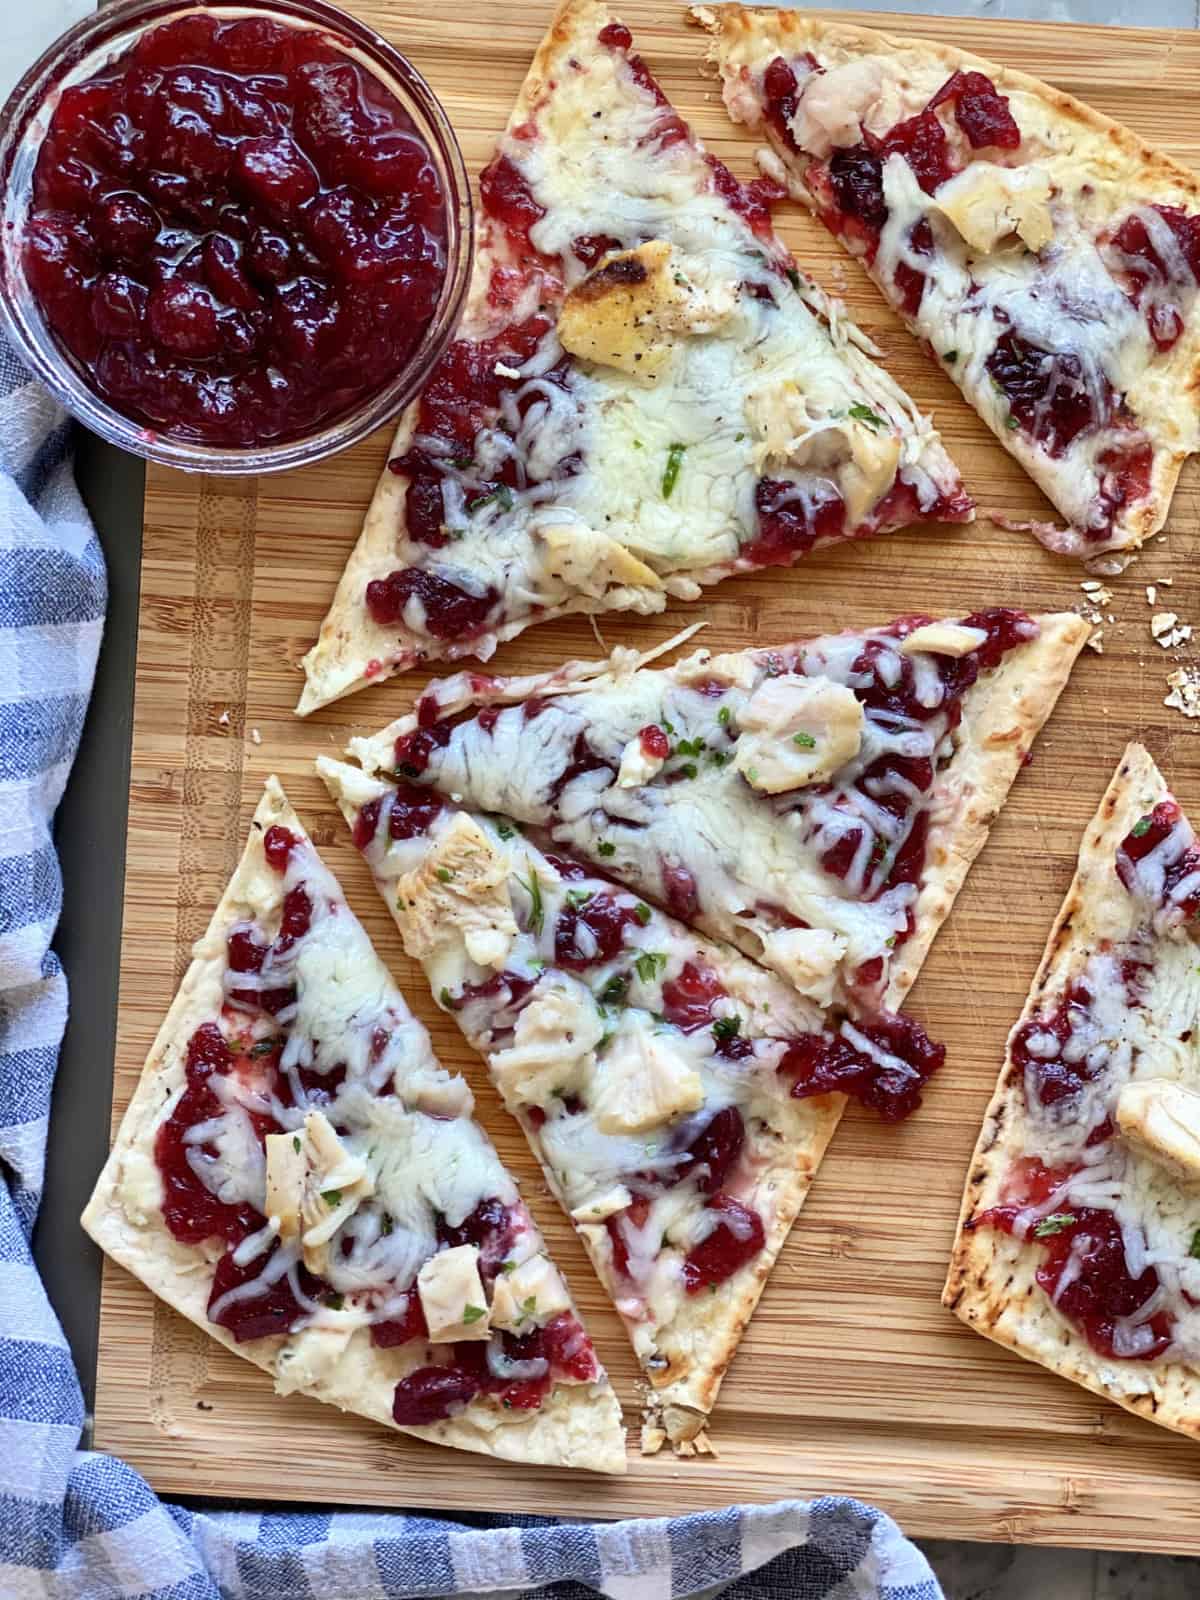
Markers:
(966, 1571)
(27, 27)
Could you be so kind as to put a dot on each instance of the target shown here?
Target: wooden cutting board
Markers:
(852, 1377)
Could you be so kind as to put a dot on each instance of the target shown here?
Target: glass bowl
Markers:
(79, 55)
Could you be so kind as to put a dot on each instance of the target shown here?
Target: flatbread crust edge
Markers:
(1003, 713)
(1148, 169)
(575, 1427)
(706, 1331)
(991, 1284)
(348, 635)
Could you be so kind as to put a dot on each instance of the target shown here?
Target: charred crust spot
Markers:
(953, 1303)
(625, 272)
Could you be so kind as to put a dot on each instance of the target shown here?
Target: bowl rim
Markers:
(78, 54)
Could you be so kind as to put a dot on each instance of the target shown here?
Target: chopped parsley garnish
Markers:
(335, 1302)
(688, 769)
(670, 475)
(642, 913)
(508, 1266)
(864, 414)
(264, 1047)
(793, 277)
(668, 727)
(386, 1226)
(724, 716)
(473, 1313)
(604, 848)
(727, 1027)
(529, 1306)
(1140, 827)
(951, 356)
(1195, 1247)
(719, 758)
(578, 897)
(1054, 1223)
(332, 1198)
(461, 463)
(296, 1143)
(738, 437)
(649, 964)
(446, 1000)
(533, 888)
(501, 495)
(444, 874)
(1011, 422)
(689, 747)
(613, 991)
(506, 830)
(804, 740)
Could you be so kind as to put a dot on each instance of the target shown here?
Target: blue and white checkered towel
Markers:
(79, 1526)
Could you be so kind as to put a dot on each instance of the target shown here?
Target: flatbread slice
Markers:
(678, 1097)
(1046, 255)
(645, 397)
(817, 804)
(298, 1176)
(1079, 1237)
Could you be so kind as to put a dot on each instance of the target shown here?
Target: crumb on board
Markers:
(255, 736)
(223, 719)
(1096, 642)
(1167, 630)
(1185, 691)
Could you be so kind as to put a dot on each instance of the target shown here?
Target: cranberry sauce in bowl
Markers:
(236, 238)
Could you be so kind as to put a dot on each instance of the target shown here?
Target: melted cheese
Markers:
(1020, 249)
(1137, 1041)
(648, 442)
(377, 1149)
(754, 852)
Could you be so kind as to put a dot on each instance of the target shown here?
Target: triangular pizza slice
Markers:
(1046, 255)
(300, 1178)
(1079, 1238)
(678, 1097)
(645, 395)
(817, 804)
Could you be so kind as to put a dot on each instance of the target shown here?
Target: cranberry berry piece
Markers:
(736, 1238)
(507, 197)
(442, 609)
(788, 526)
(278, 844)
(715, 1151)
(654, 743)
(616, 36)
(980, 110)
(432, 1394)
(266, 1315)
(886, 1071)
(1048, 394)
(856, 178)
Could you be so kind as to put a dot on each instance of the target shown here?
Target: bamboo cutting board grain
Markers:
(852, 1377)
